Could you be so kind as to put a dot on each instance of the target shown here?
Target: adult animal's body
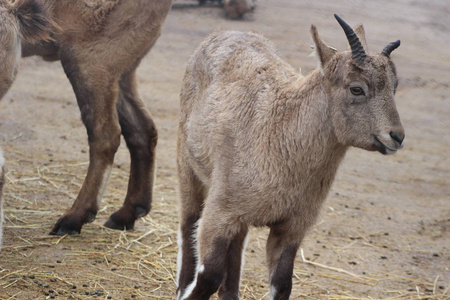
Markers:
(100, 43)
(260, 144)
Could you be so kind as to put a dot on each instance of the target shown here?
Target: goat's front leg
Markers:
(229, 290)
(282, 245)
(96, 93)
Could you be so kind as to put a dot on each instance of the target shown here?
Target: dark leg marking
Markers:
(281, 281)
(229, 290)
(211, 273)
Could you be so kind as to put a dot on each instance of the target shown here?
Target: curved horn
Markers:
(358, 52)
(390, 47)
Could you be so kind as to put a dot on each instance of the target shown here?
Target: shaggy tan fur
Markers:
(260, 144)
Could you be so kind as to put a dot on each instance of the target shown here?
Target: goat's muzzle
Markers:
(389, 143)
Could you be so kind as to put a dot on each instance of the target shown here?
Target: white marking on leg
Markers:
(180, 254)
(273, 292)
(190, 288)
(195, 241)
(201, 269)
(243, 257)
(103, 184)
(2, 159)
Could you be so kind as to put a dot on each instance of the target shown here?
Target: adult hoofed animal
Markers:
(235, 9)
(260, 144)
(100, 43)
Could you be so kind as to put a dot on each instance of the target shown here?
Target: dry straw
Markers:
(140, 264)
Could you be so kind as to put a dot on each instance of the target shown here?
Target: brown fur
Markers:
(263, 144)
(35, 24)
(100, 43)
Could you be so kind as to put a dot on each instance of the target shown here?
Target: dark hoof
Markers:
(63, 227)
(114, 224)
(71, 224)
(125, 217)
(140, 211)
(229, 297)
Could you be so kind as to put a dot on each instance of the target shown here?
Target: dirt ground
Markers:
(384, 229)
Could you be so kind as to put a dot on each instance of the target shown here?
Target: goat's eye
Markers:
(357, 91)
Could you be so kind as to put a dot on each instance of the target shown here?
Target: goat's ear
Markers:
(323, 52)
(33, 19)
(359, 30)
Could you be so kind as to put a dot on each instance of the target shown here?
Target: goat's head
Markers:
(20, 20)
(361, 88)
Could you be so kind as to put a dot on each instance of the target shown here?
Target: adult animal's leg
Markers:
(229, 289)
(282, 245)
(139, 132)
(96, 92)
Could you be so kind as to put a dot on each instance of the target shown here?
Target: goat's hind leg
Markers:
(215, 235)
(192, 196)
(139, 132)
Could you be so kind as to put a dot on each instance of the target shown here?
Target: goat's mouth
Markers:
(383, 148)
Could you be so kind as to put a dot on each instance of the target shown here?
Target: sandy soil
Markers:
(383, 232)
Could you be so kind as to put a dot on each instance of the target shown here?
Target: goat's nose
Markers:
(397, 136)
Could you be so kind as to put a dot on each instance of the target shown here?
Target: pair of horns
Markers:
(358, 52)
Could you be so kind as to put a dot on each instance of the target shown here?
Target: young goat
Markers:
(259, 145)
(100, 43)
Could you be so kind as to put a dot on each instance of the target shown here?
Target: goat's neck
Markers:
(306, 124)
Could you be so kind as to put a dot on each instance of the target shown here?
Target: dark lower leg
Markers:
(210, 273)
(192, 196)
(282, 246)
(229, 289)
(281, 277)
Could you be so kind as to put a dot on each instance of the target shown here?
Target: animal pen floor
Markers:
(383, 232)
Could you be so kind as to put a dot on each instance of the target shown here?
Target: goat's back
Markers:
(231, 62)
(231, 56)
(234, 84)
(227, 77)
